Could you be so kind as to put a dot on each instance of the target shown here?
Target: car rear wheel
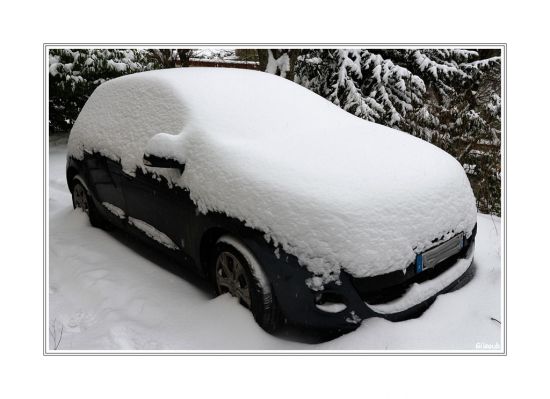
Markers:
(236, 271)
(83, 201)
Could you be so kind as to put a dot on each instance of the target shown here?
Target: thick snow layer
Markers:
(330, 188)
(110, 293)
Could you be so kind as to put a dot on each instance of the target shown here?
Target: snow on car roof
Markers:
(332, 189)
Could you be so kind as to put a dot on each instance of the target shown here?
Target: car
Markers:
(307, 214)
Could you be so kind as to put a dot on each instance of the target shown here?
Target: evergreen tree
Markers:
(280, 62)
(345, 84)
(361, 82)
(470, 129)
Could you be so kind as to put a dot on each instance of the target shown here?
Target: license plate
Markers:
(432, 257)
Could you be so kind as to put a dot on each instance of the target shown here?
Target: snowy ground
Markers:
(108, 292)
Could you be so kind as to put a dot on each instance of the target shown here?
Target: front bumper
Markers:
(395, 296)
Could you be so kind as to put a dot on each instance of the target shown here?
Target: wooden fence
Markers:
(196, 62)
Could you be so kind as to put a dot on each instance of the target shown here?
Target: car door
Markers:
(104, 179)
(149, 199)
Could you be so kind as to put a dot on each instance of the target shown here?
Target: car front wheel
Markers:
(236, 271)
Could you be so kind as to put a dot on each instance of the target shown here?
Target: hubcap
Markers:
(231, 277)
(80, 198)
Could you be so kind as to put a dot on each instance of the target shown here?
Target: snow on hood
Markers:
(332, 189)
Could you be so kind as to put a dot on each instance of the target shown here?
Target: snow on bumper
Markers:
(421, 292)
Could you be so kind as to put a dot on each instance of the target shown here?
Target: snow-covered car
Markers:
(304, 212)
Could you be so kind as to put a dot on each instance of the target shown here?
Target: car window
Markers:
(121, 128)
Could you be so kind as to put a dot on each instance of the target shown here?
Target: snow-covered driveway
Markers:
(108, 292)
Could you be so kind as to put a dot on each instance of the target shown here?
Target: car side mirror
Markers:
(161, 162)
(164, 151)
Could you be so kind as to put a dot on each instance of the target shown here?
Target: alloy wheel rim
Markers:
(231, 277)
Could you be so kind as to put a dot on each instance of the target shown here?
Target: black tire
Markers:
(262, 303)
(83, 200)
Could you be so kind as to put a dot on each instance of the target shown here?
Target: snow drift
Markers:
(334, 190)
